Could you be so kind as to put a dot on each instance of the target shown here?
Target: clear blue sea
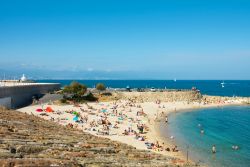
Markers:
(223, 127)
(209, 87)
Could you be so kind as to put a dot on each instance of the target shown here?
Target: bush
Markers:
(75, 91)
(100, 87)
(75, 88)
(107, 94)
(90, 97)
(63, 101)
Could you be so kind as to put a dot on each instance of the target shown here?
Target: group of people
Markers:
(109, 119)
(213, 149)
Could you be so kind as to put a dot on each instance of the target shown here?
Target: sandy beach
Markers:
(133, 121)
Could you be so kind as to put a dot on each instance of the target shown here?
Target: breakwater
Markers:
(167, 96)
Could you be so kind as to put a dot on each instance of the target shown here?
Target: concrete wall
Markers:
(21, 95)
(6, 101)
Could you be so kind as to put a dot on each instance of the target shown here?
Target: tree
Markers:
(67, 89)
(77, 92)
(100, 87)
(76, 89)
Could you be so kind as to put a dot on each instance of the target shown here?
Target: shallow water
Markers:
(223, 127)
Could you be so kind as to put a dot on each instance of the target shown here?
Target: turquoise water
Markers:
(223, 127)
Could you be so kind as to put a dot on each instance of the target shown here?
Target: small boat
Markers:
(153, 89)
(222, 84)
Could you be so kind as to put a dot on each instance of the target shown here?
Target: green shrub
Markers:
(63, 100)
(90, 97)
(100, 87)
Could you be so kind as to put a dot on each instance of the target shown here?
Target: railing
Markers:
(11, 84)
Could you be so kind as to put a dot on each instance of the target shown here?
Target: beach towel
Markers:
(103, 110)
(76, 113)
(39, 110)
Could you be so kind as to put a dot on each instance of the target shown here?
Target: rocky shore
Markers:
(26, 140)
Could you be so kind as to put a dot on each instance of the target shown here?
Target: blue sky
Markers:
(139, 39)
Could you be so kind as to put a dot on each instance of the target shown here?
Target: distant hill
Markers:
(39, 74)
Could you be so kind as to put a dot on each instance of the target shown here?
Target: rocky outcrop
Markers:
(26, 140)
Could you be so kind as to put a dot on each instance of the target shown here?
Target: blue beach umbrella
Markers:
(75, 118)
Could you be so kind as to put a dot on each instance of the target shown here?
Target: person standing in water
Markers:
(166, 119)
(213, 149)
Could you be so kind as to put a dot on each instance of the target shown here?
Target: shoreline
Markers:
(150, 108)
(171, 143)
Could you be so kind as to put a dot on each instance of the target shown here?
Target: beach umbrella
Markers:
(75, 118)
(39, 110)
(49, 109)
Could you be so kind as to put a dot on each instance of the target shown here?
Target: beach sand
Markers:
(127, 114)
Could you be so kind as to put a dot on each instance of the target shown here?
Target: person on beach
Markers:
(166, 119)
(213, 149)
(175, 149)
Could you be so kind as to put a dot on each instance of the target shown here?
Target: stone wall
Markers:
(162, 96)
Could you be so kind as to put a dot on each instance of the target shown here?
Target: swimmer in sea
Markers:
(213, 149)
(235, 147)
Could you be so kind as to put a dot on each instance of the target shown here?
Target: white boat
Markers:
(153, 89)
(222, 84)
(175, 80)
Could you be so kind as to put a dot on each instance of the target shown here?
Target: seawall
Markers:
(20, 95)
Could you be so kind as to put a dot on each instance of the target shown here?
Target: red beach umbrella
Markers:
(49, 109)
